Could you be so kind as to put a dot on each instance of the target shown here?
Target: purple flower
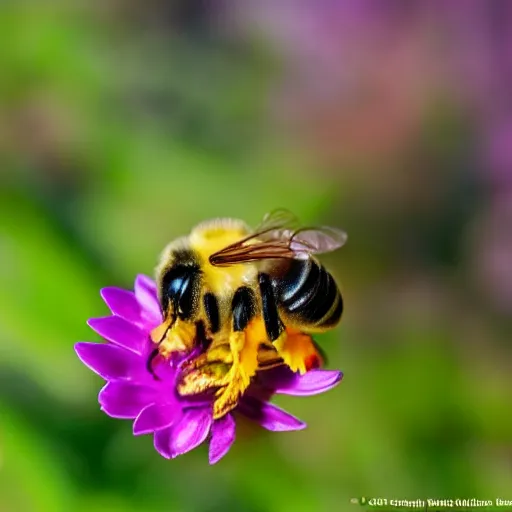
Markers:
(178, 423)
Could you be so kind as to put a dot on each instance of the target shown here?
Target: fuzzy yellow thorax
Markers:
(210, 237)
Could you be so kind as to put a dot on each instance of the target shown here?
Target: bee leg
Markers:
(297, 349)
(243, 344)
(174, 335)
(205, 372)
(268, 357)
(149, 364)
(238, 378)
(219, 354)
(244, 310)
(273, 324)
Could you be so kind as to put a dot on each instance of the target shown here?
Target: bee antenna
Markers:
(149, 364)
(168, 327)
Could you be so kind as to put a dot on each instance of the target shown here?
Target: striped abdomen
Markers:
(308, 295)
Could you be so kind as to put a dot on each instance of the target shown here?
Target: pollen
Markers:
(244, 347)
(298, 351)
(178, 338)
(312, 362)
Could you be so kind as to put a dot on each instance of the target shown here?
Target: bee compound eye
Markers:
(181, 288)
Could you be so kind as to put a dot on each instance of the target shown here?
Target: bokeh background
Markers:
(124, 123)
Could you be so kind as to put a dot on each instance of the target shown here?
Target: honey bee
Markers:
(252, 298)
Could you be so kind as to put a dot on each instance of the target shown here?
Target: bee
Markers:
(250, 297)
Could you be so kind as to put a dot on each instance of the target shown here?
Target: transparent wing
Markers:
(256, 251)
(277, 220)
(278, 236)
(318, 240)
(266, 241)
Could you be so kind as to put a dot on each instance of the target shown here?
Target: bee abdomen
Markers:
(309, 294)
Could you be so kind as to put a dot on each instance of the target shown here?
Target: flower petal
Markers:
(110, 361)
(162, 442)
(310, 383)
(191, 431)
(143, 282)
(122, 303)
(269, 416)
(223, 436)
(125, 400)
(156, 417)
(146, 293)
(119, 331)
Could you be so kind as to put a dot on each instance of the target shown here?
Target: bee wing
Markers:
(257, 251)
(276, 226)
(277, 237)
(267, 241)
(318, 240)
(276, 220)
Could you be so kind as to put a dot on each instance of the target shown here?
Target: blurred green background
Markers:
(124, 123)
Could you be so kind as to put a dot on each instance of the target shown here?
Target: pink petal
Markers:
(119, 331)
(162, 442)
(145, 282)
(110, 361)
(311, 383)
(122, 303)
(191, 431)
(125, 400)
(156, 417)
(269, 416)
(223, 436)
(145, 291)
